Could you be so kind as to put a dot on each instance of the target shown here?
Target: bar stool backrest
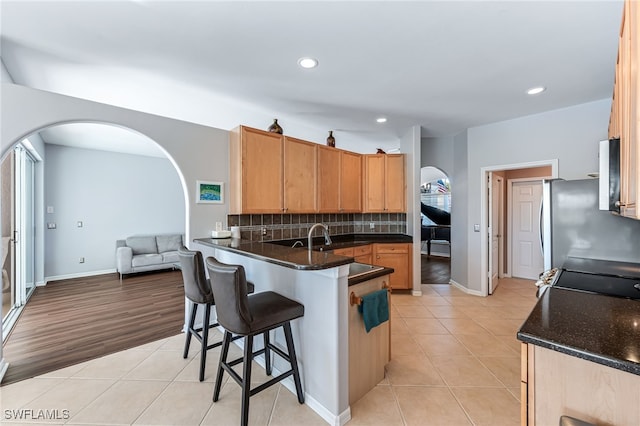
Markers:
(196, 286)
(229, 285)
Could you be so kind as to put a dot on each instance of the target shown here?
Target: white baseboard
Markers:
(416, 292)
(79, 275)
(465, 289)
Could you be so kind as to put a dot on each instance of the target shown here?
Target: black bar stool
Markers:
(249, 316)
(198, 290)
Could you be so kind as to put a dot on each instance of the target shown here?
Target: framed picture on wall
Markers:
(209, 192)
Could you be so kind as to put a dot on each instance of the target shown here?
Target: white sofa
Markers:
(141, 253)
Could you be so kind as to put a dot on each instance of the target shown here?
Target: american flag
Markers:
(441, 186)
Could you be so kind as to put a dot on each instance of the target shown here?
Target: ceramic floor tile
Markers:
(376, 408)
(462, 301)
(113, 366)
(413, 311)
(515, 392)
(463, 326)
(491, 407)
(181, 403)
(448, 312)
(424, 406)
(404, 344)
(484, 344)
(19, 394)
(72, 395)
(404, 299)
(425, 326)
(227, 410)
(122, 403)
(288, 412)
(160, 365)
(464, 371)
(512, 342)
(501, 327)
(412, 370)
(434, 300)
(399, 326)
(506, 369)
(440, 344)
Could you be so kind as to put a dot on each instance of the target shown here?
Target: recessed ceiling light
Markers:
(308, 62)
(381, 119)
(536, 90)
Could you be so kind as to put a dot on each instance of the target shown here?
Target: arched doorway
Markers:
(435, 198)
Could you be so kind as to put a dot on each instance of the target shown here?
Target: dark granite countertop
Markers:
(296, 258)
(594, 327)
(281, 253)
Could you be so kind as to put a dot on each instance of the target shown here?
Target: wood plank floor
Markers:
(75, 320)
(435, 269)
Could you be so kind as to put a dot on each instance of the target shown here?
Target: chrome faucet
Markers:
(325, 231)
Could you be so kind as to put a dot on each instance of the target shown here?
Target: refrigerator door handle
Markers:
(541, 228)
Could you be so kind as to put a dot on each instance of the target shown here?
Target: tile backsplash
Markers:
(286, 226)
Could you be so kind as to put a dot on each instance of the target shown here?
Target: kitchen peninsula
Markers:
(321, 281)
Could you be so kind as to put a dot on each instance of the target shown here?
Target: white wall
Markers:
(570, 135)
(115, 195)
(437, 152)
(459, 210)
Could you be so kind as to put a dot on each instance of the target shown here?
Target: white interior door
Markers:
(495, 229)
(526, 258)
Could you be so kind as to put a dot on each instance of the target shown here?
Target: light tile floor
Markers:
(455, 361)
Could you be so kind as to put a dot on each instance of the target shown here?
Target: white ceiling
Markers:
(443, 65)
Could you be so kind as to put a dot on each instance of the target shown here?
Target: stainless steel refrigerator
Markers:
(573, 225)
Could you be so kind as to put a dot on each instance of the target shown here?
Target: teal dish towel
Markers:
(374, 309)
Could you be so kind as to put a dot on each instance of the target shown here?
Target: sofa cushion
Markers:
(146, 260)
(170, 257)
(168, 242)
(142, 244)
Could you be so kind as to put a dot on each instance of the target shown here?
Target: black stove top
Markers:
(620, 279)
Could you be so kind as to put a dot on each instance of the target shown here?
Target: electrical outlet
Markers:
(264, 231)
(49, 209)
(80, 224)
(372, 225)
(82, 260)
(476, 227)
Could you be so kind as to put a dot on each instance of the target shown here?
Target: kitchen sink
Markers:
(359, 269)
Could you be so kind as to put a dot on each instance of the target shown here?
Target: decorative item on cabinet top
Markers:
(275, 127)
(380, 151)
(331, 141)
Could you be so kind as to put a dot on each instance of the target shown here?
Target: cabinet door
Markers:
(395, 184)
(363, 254)
(374, 183)
(261, 168)
(300, 176)
(395, 256)
(350, 182)
(328, 179)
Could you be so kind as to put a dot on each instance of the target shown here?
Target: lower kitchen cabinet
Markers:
(398, 257)
(554, 384)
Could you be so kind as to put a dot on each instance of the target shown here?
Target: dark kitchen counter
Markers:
(281, 252)
(595, 327)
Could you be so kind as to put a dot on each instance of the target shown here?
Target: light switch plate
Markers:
(476, 227)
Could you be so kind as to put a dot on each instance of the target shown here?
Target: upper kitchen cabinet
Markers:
(339, 181)
(625, 111)
(256, 171)
(300, 176)
(384, 183)
(328, 179)
(350, 182)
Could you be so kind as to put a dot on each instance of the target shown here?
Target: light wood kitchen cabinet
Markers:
(368, 352)
(624, 122)
(398, 257)
(348, 251)
(256, 171)
(300, 176)
(363, 254)
(555, 384)
(384, 183)
(350, 182)
(328, 179)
